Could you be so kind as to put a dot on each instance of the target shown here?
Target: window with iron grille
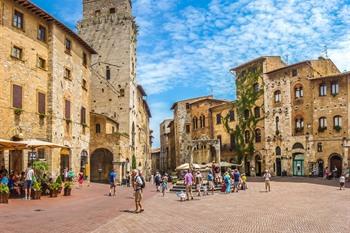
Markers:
(17, 52)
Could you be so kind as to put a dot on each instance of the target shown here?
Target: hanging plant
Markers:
(18, 111)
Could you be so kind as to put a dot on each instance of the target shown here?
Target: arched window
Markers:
(299, 124)
(278, 151)
(98, 128)
(203, 121)
(200, 122)
(322, 123)
(232, 115)
(278, 96)
(257, 112)
(319, 147)
(246, 136)
(218, 119)
(246, 114)
(335, 88)
(298, 145)
(195, 122)
(337, 123)
(299, 93)
(257, 135)
(277, 124)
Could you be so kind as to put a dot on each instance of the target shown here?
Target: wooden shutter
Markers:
(83, 115)
(41, 103)
(67, 110)
(17, 96)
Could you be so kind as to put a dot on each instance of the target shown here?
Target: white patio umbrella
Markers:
(186, 166)
(11, 145)
(34, 143)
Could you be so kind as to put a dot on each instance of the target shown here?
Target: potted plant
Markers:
(36, 194)
(4, 194)
(59, 183)
(54, 189)
(67, 188)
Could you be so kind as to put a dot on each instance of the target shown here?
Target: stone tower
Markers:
(109, 27)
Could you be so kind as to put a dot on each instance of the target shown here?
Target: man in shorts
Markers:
(138, 186)
(28, 183)
(112, 179)
(210, 178)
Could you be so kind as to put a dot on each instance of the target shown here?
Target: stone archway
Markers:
(258, 165)
(101, 163)
(335, 161)
(64, 159)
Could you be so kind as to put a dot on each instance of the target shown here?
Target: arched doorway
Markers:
(16, 161)
(335, 161)
(101, 163)
(84, 162)
(298, 165)
(64, 160)
(319, 167)
(258, 167)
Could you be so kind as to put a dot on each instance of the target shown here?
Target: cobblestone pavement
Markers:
(289, 207)
(87, 209)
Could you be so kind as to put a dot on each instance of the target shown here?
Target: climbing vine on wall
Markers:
(247, 96)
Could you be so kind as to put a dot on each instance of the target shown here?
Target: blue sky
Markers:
(186, 47)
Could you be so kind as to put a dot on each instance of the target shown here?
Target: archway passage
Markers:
(335, 162)
(258, 165)
(64, 160)
(320, 168)
(101, 164)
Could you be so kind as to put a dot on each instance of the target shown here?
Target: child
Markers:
(244, 182)
(342, 182)
(164, 184)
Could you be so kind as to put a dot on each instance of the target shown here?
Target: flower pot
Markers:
(59, 190)
(53, 193)
(36, 195)
(67, 191)
(4, 198)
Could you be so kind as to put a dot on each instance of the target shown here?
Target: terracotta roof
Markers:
(192, 99)
(228, 104)
(107, 117)
(250, 62)
(289, 66)
(49, 18)
(212, 100)
(331, 76)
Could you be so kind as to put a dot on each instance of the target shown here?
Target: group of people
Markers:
(234, 181)
(161, 182)
(18, 183)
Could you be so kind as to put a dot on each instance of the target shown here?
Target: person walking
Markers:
(29, 176)
(70, 175)
(210, 179)
(199, 181)
(188, 184)
(342, 182)
(112, 179)
(236, 179)
(157, 180)
(227, 181)
(65, 174)
(267, 177)
(164, 183)
(80, 179)
(138, 185)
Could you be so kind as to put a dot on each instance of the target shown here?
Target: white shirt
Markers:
(30, 174)
(342, 179)
(267, 176)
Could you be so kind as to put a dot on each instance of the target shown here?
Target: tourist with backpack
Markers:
(138, 185)
(157, 181)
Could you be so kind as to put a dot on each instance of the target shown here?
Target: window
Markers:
(17, 95)
(218, 119)
(98, 128)
(112, 11)
(232, 115)
(84, 59)
(277, 125)
(294, 72)
(278, 151)
(202, 121)
(257, 135)
(18, 20)
(97, 12)
(323, 89)
(256, 87)
(68, 44)
(42, 33)
(84, 84)
(246, 114)
(257, 112)
(299, 124)
(108, 73)
(337, 121)
(67, 73)
(322, 123)
(187, 106)
(41, 153)
(334, 88)
(67, 109)
(299, 93)
(188, 128)
(246, 136)
(17, 52)
(41, 103)
(195, 122)
(122, 93)
(232, 141)
(41, 63)
(83, 115)
(319, 147)
(278, 96)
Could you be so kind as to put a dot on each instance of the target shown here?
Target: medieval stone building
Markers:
(109, 27)
(45, 87)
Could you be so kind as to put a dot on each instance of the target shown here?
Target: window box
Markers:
(42, 115)
(322, 129)
(337, 128)
(18, 111)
